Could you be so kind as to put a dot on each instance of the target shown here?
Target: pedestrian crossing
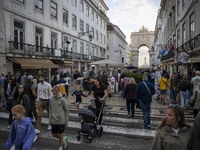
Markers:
(117, 122)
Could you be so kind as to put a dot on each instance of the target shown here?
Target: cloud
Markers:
(131, 15)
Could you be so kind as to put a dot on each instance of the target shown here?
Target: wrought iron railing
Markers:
(24, 49)
(190, 46)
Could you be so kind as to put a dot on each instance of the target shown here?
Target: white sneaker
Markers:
(49, 127)
(60, 148)
(37, 131)
(35, 138)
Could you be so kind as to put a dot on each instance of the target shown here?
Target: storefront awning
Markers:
(27, 63)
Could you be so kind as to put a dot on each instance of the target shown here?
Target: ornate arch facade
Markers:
(143, 37)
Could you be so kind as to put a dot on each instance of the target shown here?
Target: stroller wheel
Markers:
(100, 131)
(90, 138)
(78, 137)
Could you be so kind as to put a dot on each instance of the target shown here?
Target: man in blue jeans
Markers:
(144, 92)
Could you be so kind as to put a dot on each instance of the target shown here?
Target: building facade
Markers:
(177, 36)
(116, 44)
(60, 34)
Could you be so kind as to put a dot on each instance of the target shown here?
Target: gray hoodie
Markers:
(58, 110)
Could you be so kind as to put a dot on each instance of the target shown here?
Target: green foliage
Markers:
(136, 76)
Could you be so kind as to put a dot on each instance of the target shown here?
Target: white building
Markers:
(116, 44)
(35, 34)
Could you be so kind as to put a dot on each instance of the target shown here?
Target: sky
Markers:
(131, 15)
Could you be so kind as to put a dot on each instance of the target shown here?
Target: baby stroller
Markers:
(91, 122)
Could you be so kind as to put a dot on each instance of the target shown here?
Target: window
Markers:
(87, 11)
(65, 43)
(87, 49)
(97, 18)
(92, 15)
(97, 51)
(184, 33)
(74, 22)
(87, 28)
(101, 22)
(100, 37)
(74, 45)
(104, 39)
(20, 1)
(92, 30)
(53, 10)
(81, 25)
(178, 36)
(39, 5)
(82, 48)
(92, 51)
(97, 35)
(54, 39)
(38, 39)
(74, 2)
(192, 25)
(81, 6)
(183, 4)
(65, 16)
(18, 35)
(104, 25)
(178, 7)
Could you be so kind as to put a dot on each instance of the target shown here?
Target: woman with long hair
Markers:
(173, 132)
(19, 97)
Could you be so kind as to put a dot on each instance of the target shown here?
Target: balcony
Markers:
(35, 51)
(192, 46)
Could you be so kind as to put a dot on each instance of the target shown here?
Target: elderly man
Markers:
(144, 92)
(196, 81)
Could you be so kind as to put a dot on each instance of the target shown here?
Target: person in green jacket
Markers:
(173, 132)
(58, 117)
(196, 133)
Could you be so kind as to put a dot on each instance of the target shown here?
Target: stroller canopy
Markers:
(86, 112)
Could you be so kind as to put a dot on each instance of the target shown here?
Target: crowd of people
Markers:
(36, 94)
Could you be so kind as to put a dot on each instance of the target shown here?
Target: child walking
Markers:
(58, 117)
(78, 93)
(22, 133)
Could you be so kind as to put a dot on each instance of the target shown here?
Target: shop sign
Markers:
(183, 57)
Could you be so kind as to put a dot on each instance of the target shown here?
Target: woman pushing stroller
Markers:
(100, 94)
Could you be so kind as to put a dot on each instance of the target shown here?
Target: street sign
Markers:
(183, 57)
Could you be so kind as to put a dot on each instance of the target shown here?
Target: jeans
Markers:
(185, 96)
(173, 94)
(146, 114)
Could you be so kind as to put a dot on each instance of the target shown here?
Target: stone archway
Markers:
(143, 37)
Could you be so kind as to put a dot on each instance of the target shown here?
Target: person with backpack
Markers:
(184, 88)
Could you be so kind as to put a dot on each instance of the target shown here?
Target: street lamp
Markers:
(80, 34)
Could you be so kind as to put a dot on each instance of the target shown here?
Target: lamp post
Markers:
(80, 34)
